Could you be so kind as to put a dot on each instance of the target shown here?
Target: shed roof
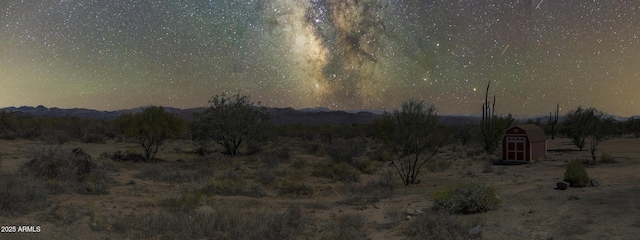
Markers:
(534, 133)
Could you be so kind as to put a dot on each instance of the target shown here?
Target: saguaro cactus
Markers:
(486, 124)
(492, 126)
(552, 121)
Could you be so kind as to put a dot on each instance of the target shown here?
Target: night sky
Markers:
(339, 54)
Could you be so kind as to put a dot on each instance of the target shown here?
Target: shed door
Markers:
(516, 148)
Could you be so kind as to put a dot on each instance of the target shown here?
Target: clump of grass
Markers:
(64, 214)
(336, 171)
(150, 173)
(55, 187)
(393, 216)
(69, 168)
(437, 227)
(225, 187)
(169, 173)
(119, 156)
(253, 148)
(254, 191)
(21, 195)
(473, 153)
(371, 192)
(576, 175)
(347, 227)
(379, 154)
(283, 154)
(607, 158)
(186, 202)
(298, 164)
(294, 186)
(265, 176)
(365, 165)
(487, 167)
(95, 183)
(466, 198)
(229, 222)
(438, 165)
(274, 158)
(54, 162)
(317, 150)
(232, 185)
(346, 150)
(93, 138)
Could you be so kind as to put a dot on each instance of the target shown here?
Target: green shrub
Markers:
(253, 148)
(232, 187)
(298, 164)
(336, 171)
(95, 183)
(438, 165)
(283, 155)
(576, 175)
(55, 187)
(607, 158)
(265, 176)
(365, 165)
(294, 186)
(318, 150)
(93, 138)
(273, 158)
(150, 172)
(225, 187)
(379, 154)
(466, 198)
(64, 214)
(68, 168)
(187, 201)
(21, 195)
(170, 174)
(254, 191)
(371, 192)
(53, 162)
(346, 150)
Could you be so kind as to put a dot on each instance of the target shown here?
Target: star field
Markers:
(340, 54)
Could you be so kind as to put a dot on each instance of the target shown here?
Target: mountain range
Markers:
(279, 115)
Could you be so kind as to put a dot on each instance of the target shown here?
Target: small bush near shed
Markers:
(576, 175)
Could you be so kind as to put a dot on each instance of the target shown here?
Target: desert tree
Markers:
(575, 125)
(8, 125)
(633, 125)
(602, 129)
(492, 126)
(465, 134)
(231, 121)
(408, 133)
(589, 123)
(552, 121)
(150, 127)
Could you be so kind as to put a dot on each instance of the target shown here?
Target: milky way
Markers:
(335, 47)
(340, 54)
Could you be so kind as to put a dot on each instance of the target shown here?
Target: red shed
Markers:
(524, 142)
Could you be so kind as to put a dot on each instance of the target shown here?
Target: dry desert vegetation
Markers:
(290, 189)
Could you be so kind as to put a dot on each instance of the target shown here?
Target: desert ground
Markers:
(158, 200)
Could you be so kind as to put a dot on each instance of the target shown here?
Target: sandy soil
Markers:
(532, 208)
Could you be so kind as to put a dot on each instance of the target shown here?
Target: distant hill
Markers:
(292, 116)
(41, 111)
(280, 115)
